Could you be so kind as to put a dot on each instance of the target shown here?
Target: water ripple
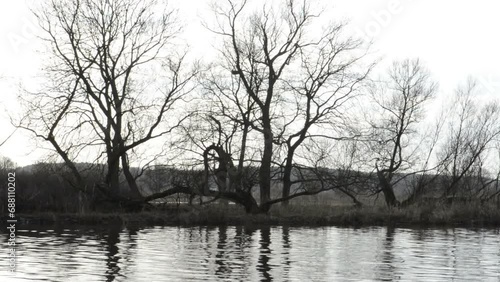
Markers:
(237, 253)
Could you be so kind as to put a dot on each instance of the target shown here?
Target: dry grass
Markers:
(296, 215)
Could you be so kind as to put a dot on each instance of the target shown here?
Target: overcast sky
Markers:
(455, 39)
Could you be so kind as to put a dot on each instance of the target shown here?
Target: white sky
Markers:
(455, 39)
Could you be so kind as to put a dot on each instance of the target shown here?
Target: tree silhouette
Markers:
(112, 83)
(276, 88)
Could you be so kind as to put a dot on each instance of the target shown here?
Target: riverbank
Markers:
(298, 215)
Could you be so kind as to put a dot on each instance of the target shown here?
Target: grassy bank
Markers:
(296, 215)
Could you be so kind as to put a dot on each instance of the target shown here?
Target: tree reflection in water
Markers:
(237, 253)
(265, 253)
(387, 269)
(221, 259)
(112, 256)
(287, 245)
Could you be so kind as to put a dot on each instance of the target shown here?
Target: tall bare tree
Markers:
(400, 100)
(473, 130)
(283, 79)
(114, 75)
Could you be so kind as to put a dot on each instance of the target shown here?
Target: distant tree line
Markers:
(289, 104)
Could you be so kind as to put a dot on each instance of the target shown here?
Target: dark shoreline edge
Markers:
(304, 216)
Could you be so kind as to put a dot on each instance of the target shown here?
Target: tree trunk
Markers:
(113, 177)
(221, 176)
(132, 184)
(356, 202)
(265, 168)
(385, 185)
(251, 206)
(287, 181)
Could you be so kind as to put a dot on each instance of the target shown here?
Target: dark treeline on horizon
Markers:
(45, 188)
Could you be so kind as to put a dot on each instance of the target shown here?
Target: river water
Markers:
(236, 253)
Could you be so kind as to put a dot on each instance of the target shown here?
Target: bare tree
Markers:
(400, 101)
(424, 175)
(277, 87)
(113, 79)
(472, 133)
